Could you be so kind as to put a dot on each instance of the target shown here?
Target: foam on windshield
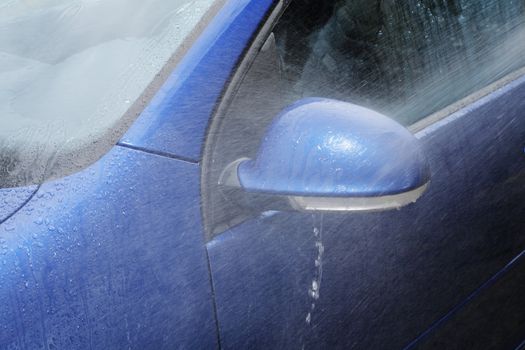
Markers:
(69, 72)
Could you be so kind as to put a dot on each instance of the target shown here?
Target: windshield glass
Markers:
(71, 69)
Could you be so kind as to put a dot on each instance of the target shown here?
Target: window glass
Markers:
(69, 71)
(406, 59)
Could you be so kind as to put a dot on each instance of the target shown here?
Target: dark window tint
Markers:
(404, 58)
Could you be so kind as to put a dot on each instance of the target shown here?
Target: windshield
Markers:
(71, 69)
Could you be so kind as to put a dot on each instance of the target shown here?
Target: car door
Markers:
(385, 279)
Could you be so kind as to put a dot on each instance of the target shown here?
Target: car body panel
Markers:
(386, 277)
(111, 257)
(498, 301)
(175, 121)
(114, 255)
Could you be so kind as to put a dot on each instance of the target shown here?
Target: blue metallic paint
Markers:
(386, 276)
(329, 148)
(176, 119)
(497, 297)
(113, 256)
(109, 258)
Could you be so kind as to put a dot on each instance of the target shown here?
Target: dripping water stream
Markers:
(315, 286)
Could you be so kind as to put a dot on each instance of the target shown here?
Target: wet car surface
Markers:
(147, 243)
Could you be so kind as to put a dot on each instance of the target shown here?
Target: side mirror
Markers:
(328, 155)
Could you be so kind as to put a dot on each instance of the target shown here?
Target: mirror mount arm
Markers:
(229, 176)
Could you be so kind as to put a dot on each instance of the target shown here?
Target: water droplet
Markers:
(315, 285)
(313, 294)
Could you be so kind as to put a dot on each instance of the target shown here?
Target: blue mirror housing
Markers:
(330, 155)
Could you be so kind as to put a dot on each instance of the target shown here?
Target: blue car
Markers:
(274, 174)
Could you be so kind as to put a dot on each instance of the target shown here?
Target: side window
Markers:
(406, 59)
